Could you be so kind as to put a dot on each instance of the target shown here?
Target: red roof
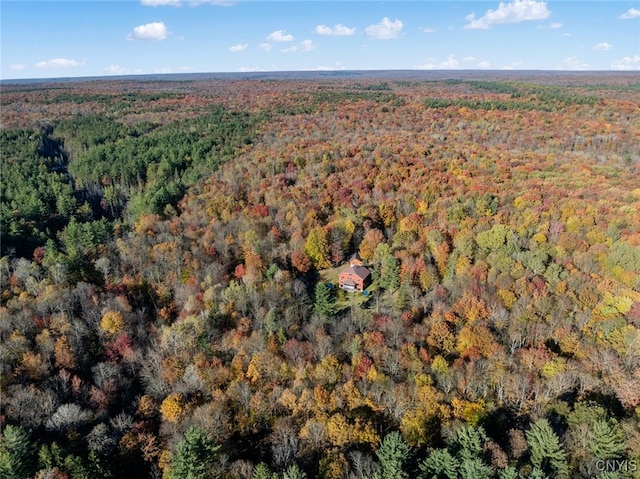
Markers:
(359, 271)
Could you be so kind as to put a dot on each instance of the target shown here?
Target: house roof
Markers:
(359, 271)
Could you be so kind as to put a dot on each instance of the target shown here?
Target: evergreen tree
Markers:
(77, 468)
(508, 472)
(324, 301)
(17, 453)
(469, 442)
(474, 469)
(592, 435)
(194, 456)
(378, 257)
(390, 274)
(400, 296)
(50, 456)
(393, 454)
(461, 460)
(608, 441)
(294, 472)
(546, 452)
(440, 464)
(537, 474)
(262, 471)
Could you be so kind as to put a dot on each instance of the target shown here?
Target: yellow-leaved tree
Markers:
(173, 407)
(317, 248)
(112, 322)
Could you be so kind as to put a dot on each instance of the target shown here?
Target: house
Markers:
(354, 260)
(354, 277)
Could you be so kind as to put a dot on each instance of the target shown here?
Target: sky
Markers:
(80, 38)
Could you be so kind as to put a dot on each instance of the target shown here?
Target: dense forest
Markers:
(170, 259)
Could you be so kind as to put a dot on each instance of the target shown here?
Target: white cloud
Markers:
(513, 66)
(627, 63)
(384, 30)
(265, 46)
(427, 29)
(16, 67)
(240, 47)
(115, 70)
(484, 65)
(307, 46)
(515, 12)
(156, 31)
(323, 68)
(252, 69)
(161, 3)
(217, 3)
(59, 63)
(338, 30)
(631, 13)
(551, 26)
(602, 47)
(468, 59)
(449, 64)
(573, 63)
(280, 36)
(304, 46)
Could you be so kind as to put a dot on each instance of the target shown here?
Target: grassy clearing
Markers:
(346, 299)
(330, 275)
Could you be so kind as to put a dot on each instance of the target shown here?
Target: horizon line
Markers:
(307, 73)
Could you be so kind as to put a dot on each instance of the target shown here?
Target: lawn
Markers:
(345, 299)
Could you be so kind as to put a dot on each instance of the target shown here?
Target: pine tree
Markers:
(400, 296)
(608, 440)
(593, 435)
(17, 453)
(440, 464)
(461, 460)
(536, 473)
(393, 454)
(194, 456)
(294, 472)
(469, 442)
(508, 472)
(262, 471)
(324, 302)
(390, 274)
(474, 469)
(77, 468)
(546, 452)
(50, 456)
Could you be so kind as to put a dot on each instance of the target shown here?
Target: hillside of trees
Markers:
(169, 255)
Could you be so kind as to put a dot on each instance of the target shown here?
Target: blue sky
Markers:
(76, 38)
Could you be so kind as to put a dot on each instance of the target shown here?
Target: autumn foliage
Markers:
(182, 301)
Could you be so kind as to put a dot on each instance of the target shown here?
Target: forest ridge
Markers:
(170, 255)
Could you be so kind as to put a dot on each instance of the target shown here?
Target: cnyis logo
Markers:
(616, 465)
